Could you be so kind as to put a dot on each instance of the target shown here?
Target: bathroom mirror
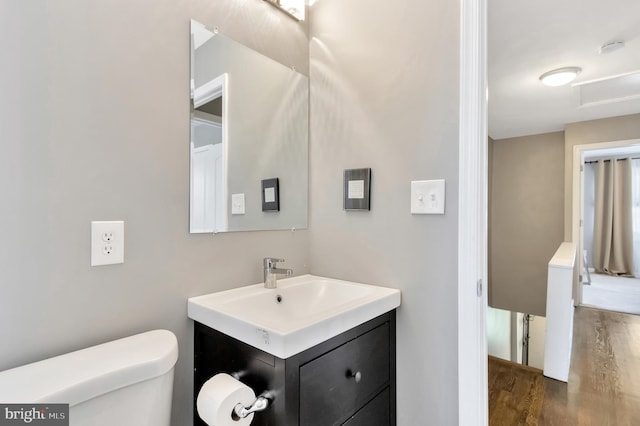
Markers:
(249, 124)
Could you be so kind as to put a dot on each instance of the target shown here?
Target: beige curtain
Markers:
(613, 233)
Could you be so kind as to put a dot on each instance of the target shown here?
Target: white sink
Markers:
(302, 312)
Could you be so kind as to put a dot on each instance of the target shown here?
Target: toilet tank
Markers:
(124, 382)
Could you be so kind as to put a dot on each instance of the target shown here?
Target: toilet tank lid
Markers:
(81, 375)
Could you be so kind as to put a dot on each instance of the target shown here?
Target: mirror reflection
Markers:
(249, 129)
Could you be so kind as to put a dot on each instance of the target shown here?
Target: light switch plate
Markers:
(271, 195)
(237, 203)
(357, 189)
(427, 196)
(107, 242)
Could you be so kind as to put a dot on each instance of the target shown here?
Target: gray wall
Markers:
(94, 120)
(516, 278)
(384, 94)
(206, 135)
(605, 130)
(526, 219)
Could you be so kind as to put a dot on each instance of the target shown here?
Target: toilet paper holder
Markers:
(260, 404)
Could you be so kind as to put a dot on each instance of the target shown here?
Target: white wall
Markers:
(384, 94)
(537, 330)
(94, 124)
(499, 333)
(505, 336)
(519, 336)
(589, 210)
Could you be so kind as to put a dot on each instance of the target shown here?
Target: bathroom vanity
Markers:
(348, 380)
(324, 349)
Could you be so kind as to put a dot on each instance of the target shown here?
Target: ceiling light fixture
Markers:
(560, 77)
(295, 8)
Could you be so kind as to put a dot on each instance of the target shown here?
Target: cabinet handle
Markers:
(357, 376)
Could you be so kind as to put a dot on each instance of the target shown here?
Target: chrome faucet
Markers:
(271, 272)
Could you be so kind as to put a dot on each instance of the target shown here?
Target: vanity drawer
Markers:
(329, 393)
(375, 413)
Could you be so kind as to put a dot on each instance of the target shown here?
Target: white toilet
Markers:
(126, 382)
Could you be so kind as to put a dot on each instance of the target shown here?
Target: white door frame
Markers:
(472, 216)
(213, 89)
(577, 192)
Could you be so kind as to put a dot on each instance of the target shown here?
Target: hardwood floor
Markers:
(604, 381)
(516, 393)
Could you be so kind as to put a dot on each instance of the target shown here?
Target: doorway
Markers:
(620, 294)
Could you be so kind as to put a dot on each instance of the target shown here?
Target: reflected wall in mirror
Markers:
(249, 122)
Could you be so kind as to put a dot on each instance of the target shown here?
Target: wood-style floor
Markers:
(516, 393)
(604, 380)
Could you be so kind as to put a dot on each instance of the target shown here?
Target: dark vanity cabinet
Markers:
(348, 380)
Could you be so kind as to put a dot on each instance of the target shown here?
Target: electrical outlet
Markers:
(107, 242)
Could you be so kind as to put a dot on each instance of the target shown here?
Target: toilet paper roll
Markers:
(218, 397)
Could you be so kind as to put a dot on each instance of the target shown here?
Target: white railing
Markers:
(557, 349)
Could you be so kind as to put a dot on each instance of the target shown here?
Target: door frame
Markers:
(472, 216)
(577, 195)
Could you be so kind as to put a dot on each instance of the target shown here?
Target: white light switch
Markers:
(107, 242)
(237, 203)
(427, 196)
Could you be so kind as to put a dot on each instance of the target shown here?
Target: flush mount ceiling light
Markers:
(561, 76)
(295, 8)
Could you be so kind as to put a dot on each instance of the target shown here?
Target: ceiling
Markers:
(529, 38)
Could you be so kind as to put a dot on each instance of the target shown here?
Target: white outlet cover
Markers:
(427, 196)
(107, 242)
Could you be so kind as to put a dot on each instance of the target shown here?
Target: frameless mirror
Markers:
(249, 138)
